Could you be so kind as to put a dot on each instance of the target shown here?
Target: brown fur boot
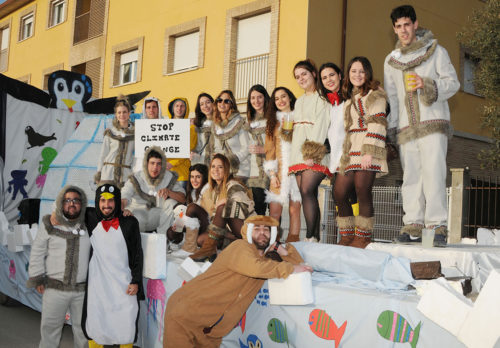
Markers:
(346, 229)
(209, 248)
(364, 228)
(292, 238)
(190, 240)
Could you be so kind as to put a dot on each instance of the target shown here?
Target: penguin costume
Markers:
(114, 287)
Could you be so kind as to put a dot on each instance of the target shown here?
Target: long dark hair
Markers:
(200, 117)
(250, 109)
(310, 66)
(370, 83)
(321, 88)
(234, 107)
(272, 122)
(203, 170)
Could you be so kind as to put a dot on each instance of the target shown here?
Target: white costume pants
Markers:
(55, 304)
(154, 219)
(424, 180)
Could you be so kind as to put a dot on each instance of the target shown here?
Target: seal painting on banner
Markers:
(35, 125)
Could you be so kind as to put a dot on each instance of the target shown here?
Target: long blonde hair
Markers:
(222, 188)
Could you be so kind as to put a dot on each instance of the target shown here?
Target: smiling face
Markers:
(179, 109)
(257, 101)
(282, 100)
(405, 29)
(72, 205)
(357, 74)
(151, 109)
(206, 106)
(260, 236)
(305, 79)
(223, 107)
(122, 115)
(154, 167)
(217, 171)
(196, 179)
(107, 206)
(330, 79)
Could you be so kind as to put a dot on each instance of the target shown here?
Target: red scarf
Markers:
(106, 224)
(333, 98)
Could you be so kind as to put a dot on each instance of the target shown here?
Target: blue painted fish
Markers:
(393, 327)
(277, 331)
(252, 342)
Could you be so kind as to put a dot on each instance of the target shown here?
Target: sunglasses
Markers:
(226, 101)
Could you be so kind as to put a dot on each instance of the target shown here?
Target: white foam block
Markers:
(294, 290)
(21, 232)
(32, 233)
(488, 237)
(444, 306)
(480, 328)
(11, 242)
(189, 269)
(205, 266)
(154, 248)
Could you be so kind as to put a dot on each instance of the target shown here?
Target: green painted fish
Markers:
(393, 327)
(277, 331)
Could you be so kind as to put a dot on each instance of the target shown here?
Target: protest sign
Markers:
(171, 135)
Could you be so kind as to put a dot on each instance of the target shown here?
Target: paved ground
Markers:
(20, 328)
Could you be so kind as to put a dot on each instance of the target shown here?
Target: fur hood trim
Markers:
(251, 221)
(146, 100)
(424, 38)
(224, 123)
(59, 207)
(159, 178)
(117, 129)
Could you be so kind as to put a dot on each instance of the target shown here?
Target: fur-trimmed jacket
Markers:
(232, 140)
(117, 155)
(205, 144)
(425, 111)
(257, 130)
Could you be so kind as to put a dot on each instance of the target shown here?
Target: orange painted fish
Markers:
(324, 327)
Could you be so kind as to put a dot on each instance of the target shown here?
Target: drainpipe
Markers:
(344, 25)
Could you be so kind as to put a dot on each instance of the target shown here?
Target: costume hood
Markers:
(424, 38)
(159, 178)
(246, 230)
(171, 107)
(59, 207)
(108, 191)
(146, 100)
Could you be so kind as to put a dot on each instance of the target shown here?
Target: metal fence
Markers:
(250, 71)
(482, 204)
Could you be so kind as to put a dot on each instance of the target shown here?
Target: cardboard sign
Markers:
(171, 135)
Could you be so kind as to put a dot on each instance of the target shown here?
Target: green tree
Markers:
(481, 37)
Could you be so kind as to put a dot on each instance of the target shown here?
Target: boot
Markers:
(410, 234)
(292, 238)
(189, 246)
(346, 229)
(209, 247)
(364, 228)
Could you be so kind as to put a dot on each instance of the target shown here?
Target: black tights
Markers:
(362, 180)
(308, 182)
(259, 197)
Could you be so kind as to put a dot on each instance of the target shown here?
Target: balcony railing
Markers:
(250, 71)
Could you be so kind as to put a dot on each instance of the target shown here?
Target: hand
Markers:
(281, 249)
(220, 202)
(259, 149)
(275, 182)
(127, 212)
(164, 193)
(40, 289)
(53, 221)
(124, 203)
(132, 289)
(309, 162)
(302, 268)
(191, 155)
(366, 161)
(169, 166)
(418, 82)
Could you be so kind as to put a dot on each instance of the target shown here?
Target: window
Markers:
(184, 46)
(127, 62)
(128, 67)
(469, 66)
(251, 47)
(26, 30)
(57, 12)
(92, 69)
(4, 47)
(46, 74)
(89, 19)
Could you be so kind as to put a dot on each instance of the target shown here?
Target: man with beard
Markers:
(58, 267)
(206, 308)
(114, 288)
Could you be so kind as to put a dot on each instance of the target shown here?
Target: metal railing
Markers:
(248, 72)
(482, 204)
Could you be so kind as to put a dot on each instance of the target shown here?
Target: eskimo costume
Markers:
(149, 99)
(258, 180)
(277, 160)
(205, 145)
(336, 135)
(59, 259)
(311, 122)
(422, 120)
(181, 165)
(152, 211)
(117, 155)
(208, 307)
(232, 140)
(110, 314)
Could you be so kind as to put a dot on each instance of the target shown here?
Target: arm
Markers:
(127, 193)
(244, 141)
(102, 157)
(374, 140)
(134, 250)
(39, 250)
(392, 95)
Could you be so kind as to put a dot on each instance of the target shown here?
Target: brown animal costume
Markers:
(208, 307)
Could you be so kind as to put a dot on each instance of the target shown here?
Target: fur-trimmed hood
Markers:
(117, 129)
(250, 222)
(170, 108)
(425, 37)
(226, 122)
(146, 100)
(59, 207)
(159, 178)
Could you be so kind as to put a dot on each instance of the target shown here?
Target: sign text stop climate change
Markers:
(171, 135)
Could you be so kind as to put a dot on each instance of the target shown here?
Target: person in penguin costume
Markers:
(221, 295)
(114, 287)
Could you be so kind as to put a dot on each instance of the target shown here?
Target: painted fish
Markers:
(393, 327)
(277, 331)
(252, 342)
(324, 327)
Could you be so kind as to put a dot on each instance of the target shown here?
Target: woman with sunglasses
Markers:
(204, 112)
(283, 187)
(364, 153)
(309, 160)
(257, 103)
(231, 139)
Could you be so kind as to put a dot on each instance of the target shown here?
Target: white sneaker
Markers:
(311, 240)
(174, 246)
(181, 254)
